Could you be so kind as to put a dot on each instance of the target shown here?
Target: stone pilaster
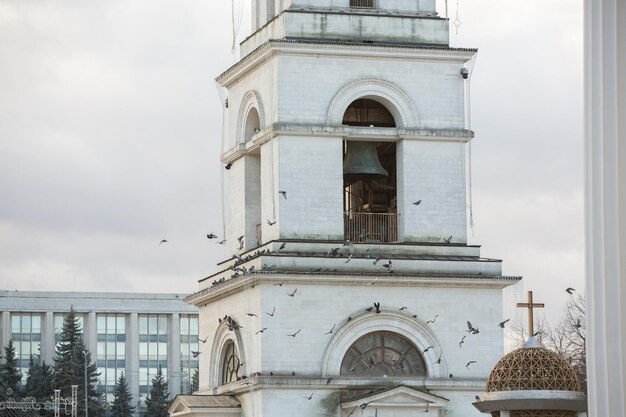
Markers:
(47, 338)
(605, 205)
(132, 354)
(173, 359)
(5, 327)
(91, 333)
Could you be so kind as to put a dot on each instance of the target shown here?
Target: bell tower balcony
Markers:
(371, 227)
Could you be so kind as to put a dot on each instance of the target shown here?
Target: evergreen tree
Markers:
(38, 381)
(121, 406)
(10, 374)
(195, 381)
(157, 399)
(69, 367)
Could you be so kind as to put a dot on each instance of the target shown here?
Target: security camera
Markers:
(464, 73)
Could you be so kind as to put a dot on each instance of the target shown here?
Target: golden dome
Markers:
(533, 368)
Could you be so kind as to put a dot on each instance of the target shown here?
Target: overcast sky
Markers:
(110, 135)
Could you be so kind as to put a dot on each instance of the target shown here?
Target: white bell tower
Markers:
(351, 280)
(317, 75)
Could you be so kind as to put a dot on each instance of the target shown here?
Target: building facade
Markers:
(132, 333)
(352, 287)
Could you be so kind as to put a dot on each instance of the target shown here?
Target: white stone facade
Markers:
(301, 137)
(306, 63)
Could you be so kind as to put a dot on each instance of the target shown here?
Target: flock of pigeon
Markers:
(376, 309)
(240, 239)
(239, 270)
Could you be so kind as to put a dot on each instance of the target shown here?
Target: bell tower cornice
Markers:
(272, 46)
(315, 20)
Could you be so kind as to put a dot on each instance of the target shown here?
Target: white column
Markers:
(132, 355)
(174, 355)
(90, 334)
(5, 329)
(48, 342)
(505, 414)
(605, 205)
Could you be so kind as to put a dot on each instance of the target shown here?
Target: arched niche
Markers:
(386, 93)
(414, 331)
(251, 117)
(224, 342)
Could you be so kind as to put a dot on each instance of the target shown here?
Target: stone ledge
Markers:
(316, 382)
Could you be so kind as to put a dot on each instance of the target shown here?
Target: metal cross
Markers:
(530, 306)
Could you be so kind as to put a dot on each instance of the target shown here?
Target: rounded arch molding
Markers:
(412, 329)
(385, 92)
(251, 100)
(222, 337)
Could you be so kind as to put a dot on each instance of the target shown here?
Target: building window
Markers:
(362, 3)
(383, 354)
(26, 336)
(111, 351)
(189, 338)
(230, 364)
(59, 318)
(152, 350)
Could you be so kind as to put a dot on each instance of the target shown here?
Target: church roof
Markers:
(533, 367)
(207, 401)
(391, 391)
(410, 399)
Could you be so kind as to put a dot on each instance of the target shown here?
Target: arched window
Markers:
(383, 353)
(230, 364)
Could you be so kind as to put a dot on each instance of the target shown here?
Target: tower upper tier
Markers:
(394, 21)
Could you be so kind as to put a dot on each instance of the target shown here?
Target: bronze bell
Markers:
(361, 163)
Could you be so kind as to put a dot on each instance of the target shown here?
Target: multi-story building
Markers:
(132, 333)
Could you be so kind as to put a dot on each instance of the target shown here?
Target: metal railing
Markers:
(371, 227)
(362, 3)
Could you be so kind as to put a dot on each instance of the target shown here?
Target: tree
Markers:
(157, 399)
(10, 374)
(38, 380)
(69, 367)
(195, 381)
(567, 337)
(121, 406)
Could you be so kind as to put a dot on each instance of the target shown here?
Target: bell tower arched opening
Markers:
(368, 112)
(253, 124)
(253, 185)
(369, 177)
